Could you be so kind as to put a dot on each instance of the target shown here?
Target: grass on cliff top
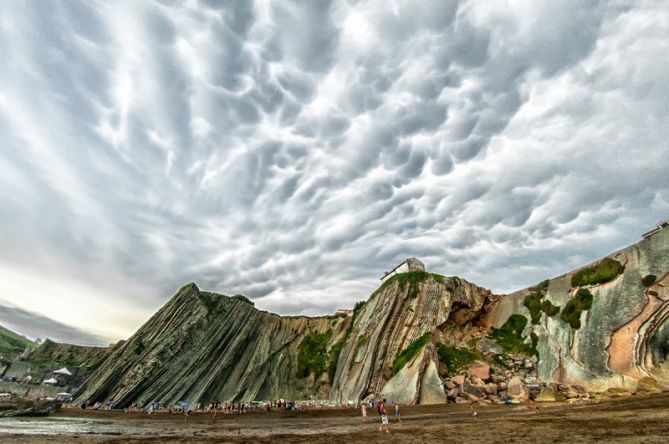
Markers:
(412, 279)
(605, 271)
(510, 336)
(410, 352)
(581, 302)
(455, 358)
(312, 356)
(241, 297)
(12, 344)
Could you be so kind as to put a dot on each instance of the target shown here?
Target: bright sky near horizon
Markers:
(293, 151)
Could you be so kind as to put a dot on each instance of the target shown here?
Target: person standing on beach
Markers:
(363, 407)
(381, 407)
(397, 412)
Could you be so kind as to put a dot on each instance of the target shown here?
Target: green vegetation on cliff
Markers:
(605, 271)
(581, 302)
(312, 355)
(241, 297)
(12, 344)
(455, 358)
(510, 336)
(648, 280)
(533, 303)
(550, 309)
(410, 352)
(412, 279)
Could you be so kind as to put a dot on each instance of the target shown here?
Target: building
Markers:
(660, 225)
(411, 264)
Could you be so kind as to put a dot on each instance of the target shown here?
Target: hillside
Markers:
(419, 338)
(12, 344)
(57, 354)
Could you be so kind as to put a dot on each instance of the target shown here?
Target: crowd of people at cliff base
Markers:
(215, 408)
(234, 408)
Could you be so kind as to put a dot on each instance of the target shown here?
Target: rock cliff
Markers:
(420, 338)
(619, 334)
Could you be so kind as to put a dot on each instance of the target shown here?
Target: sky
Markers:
(294, 151)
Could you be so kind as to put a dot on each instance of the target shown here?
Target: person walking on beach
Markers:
(363, 407)
(475, 414)
(381, 407)
(397, 412)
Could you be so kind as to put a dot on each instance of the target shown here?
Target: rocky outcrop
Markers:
(621, 338)
(57, 354)
(204, 346)
(420, 338)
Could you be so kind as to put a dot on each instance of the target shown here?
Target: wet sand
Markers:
(638, 419)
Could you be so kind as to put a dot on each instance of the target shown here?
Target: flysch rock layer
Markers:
(204, 346)
(612, 348)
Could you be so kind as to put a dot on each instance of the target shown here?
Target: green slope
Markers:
(11, 344)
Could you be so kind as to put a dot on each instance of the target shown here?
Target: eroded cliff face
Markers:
(61, 354)
(420, 338)
(622, 337)
(397, 315)
(203, 346)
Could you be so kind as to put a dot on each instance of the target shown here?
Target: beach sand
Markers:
(638, 419)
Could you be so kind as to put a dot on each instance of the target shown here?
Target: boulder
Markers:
(449, 384)
(461, 400)
(459, 379)
(479, 369)
(503, 385)
(517, 389)
(477, 381)
(431, 388)
(490, 388)
(472, 390)
(570, 392)
(453, 393)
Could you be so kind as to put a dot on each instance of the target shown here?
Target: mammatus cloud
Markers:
(294, 151)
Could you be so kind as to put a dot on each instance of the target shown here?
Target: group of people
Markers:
(380, 406)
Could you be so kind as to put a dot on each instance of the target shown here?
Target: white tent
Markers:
(63, 371)
(50, 381)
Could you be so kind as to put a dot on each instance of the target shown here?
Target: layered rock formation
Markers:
(622, 336)
(420, 338)
(59, 354)
(204, 346)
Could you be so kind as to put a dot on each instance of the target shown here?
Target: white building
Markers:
(411, 264)
(660, 225)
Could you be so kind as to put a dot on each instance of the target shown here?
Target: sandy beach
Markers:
(640, 419)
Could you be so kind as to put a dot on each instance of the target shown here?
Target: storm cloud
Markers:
(293, 151)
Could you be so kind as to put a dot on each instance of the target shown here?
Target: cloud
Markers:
(294, 152)
(41, 327)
